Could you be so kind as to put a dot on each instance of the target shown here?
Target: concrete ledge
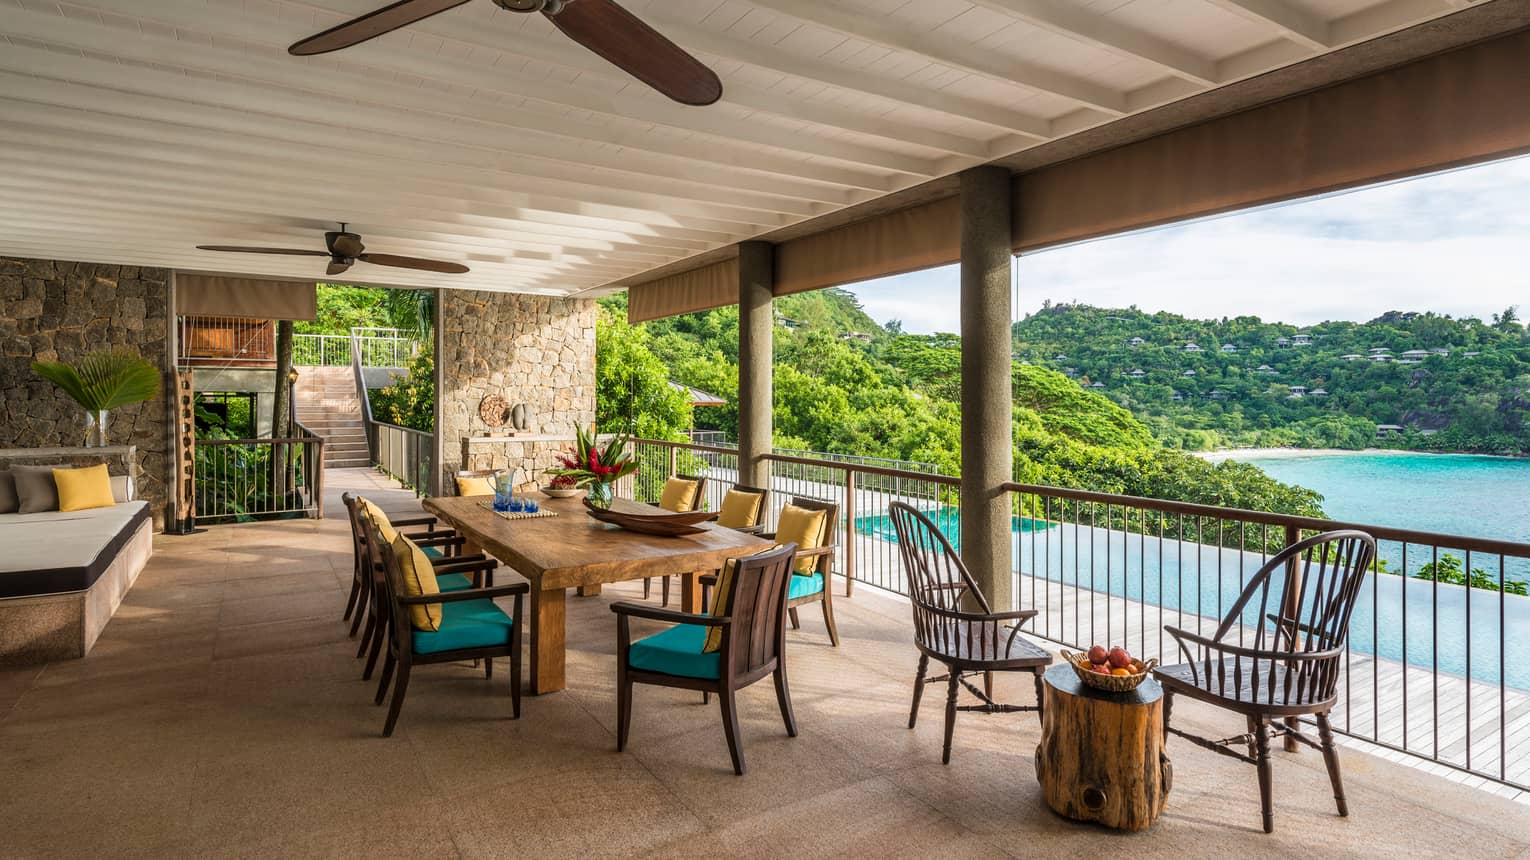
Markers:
(65, 626)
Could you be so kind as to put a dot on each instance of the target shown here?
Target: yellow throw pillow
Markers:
(739, 510)
(79, 489)
(720, 599)
(384, 527)
(804, 528)
(679, 495)
(480, 486)
(418, 577)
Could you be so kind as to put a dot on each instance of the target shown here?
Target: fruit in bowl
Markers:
(1112, 661)
(562, 487)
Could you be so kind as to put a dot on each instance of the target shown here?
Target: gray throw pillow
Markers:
(35, 489)
(8, 501)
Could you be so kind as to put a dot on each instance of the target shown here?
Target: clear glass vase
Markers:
(599, 494)
(95, 429)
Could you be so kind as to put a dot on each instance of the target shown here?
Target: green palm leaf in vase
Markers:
(102, 381)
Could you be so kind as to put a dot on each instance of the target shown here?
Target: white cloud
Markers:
(1456, 243)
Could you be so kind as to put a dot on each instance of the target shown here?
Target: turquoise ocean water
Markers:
(1396, 618)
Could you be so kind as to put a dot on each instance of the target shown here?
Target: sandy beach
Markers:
(1281, 453)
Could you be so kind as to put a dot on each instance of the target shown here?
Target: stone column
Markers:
(987, 446)
(756, 321)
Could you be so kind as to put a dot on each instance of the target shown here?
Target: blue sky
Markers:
(1455, 242)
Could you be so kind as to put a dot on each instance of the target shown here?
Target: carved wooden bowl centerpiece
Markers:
(647, 519)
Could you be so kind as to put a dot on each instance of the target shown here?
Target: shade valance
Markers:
(255, 298)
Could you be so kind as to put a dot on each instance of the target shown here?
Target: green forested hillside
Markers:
(1466, 387)
(843, 384)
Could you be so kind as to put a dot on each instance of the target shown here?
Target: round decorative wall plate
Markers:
(494, 410)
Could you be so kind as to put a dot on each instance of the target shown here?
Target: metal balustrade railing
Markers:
(246, 480)
(1432, 668)
(224, 342)
(405, 454)
(376, 347)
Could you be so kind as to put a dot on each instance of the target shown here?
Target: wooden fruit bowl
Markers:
(1109, 683)
(646, 519)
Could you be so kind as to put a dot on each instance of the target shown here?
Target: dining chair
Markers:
(955, 626)
(440, 543)
(681, 494)
(740, 640)
(468, 626)
(816, 538)
(743, 509)
(1277, 655)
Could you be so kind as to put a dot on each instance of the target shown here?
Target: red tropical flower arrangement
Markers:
(589, 462)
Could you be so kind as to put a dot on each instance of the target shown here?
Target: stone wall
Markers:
(529, 349)
(56, 310)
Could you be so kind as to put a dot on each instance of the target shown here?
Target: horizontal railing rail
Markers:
(376, 347)
(1437, 664)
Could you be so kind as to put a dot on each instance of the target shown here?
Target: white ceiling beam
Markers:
(284, 71)
(813, 183)
(1296, 24)
(949, 51)
(1100, 31)
(635, 106)
(574, 205)
(719, 202)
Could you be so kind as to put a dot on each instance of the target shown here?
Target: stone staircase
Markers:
(326, 404)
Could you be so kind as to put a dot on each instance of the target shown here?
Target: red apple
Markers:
(1097, 654)
(1119, 659)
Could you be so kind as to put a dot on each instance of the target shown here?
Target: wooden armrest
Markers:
(756, 529)
(654, 613)
(467, 594)
(438, 538)
(708, 579)
(1021, 615)
(412, 521)
(466, 565)
(1183, 636)
(815, 551)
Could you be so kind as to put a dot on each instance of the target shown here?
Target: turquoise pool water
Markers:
(1396, 618)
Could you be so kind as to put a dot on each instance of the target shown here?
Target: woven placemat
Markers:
(516, 515)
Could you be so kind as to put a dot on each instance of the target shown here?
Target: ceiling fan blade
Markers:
(335, 267)
(371, 25)
(413, 263)
(238, 250)
(622, 39)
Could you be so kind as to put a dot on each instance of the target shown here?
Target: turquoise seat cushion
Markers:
(434, 552)
(453, 582)
(466, 624)
(803, 586)
(676, 651)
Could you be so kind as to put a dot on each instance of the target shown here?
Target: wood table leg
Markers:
(690, 591)
(591, 590)
(547, 640)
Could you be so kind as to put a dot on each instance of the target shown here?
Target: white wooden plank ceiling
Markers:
(134, 130)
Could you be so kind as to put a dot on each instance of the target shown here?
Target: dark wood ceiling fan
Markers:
(345, 249)
(610, 31)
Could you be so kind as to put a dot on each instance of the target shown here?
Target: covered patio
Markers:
(222, 714)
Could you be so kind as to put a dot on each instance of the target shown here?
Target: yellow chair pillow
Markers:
(804, 528)
(739, 510)
(720, 599)
(418, 577)
(384, 527)
(79, 489)
(679, 495)
(475, 486)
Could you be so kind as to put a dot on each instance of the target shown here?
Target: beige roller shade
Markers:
(256, 298)
(1465, 106)
(711, 286)
(889, 244)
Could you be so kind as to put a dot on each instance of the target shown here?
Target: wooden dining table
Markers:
(573, 550)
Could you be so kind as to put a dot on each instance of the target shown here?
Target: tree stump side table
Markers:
(1101, 754)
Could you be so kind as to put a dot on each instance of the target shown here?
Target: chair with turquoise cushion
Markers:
(753, 645)
(454, 572)
(473, 627)
(808, 587)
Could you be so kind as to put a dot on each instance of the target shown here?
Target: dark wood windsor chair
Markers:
(1277, 654)
(955, 626)
(697, 499)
